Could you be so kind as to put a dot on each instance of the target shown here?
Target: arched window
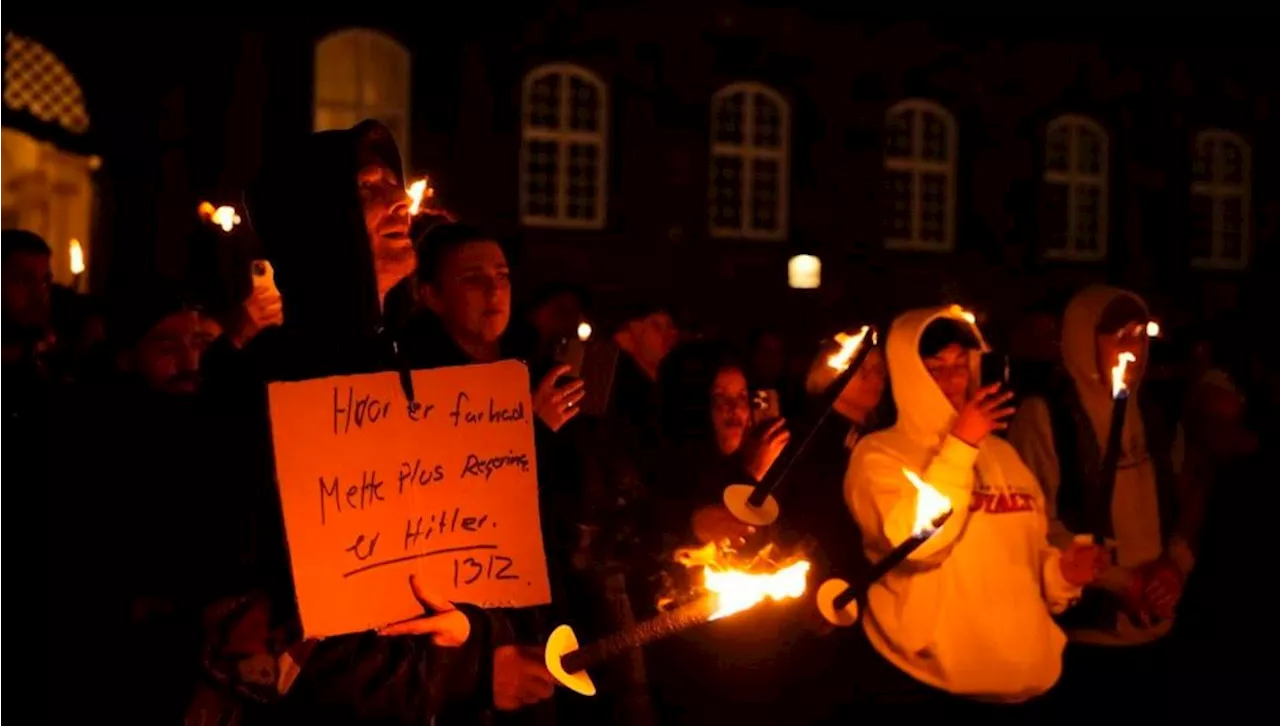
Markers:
(1220, 190)
(48, 189)
(750, 167)
(1075, 177)
(920, 185)
(563, 156)
(360, 74)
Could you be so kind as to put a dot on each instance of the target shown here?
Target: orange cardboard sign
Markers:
(375, 487)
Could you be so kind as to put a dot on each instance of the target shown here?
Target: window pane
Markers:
(897, 135)
(583, 192)
(765, 195)
(584, 102)
(1088, 223)
(340, 117)
(726, 192)
(336, 69)
(768, 123)
(935, 138)
(933, 213)
(544, 102)
(897, 204)
(541, 178)
(1232, 171)
(729, 115)
(1088, 151)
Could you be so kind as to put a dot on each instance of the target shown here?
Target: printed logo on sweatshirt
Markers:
(993, 502)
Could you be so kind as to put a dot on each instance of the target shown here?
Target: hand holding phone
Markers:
(263, 308)
(995, 369)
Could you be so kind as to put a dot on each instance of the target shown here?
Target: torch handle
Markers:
(890, 561)
(662, 626)
(779, 470)
(1110, 461)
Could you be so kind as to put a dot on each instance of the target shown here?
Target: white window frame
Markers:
(749, 153)
(367, 37)
(919, 166)
(1217, 190)
(1074, 179)
(564, 136)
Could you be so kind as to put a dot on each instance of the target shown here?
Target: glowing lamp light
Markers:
(1153, 329)
(804, 272)
(584, 331)
(75, 253)
(225, 216)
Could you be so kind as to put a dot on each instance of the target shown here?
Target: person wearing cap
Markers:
(964, 626)
(1116, 631)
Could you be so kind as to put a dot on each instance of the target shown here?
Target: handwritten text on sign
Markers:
(375, 488)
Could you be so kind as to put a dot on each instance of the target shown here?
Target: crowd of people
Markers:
(1053, 593)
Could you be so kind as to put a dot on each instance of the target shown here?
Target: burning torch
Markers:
(755, 504)
(730, 591)
(838, 600)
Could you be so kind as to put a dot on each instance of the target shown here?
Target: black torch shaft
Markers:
(663, 626)
(791, 454)
(890, 561)
(1115, 445)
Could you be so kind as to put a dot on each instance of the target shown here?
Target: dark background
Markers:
(187, 108)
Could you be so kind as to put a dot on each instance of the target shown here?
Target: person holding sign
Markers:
(333, 219)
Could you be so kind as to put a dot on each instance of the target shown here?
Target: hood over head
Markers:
(924, 413)
(1079, 336)
(305, 208)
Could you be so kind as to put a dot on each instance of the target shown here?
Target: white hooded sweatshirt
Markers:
(970, 612)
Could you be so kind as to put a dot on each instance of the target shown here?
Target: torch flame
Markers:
(224, 216)
(76, 254)
(1153, 329)
(584, 331)
(1118, 385)
(417, 192)
(930, 504)
(849, 345)
(738, 590)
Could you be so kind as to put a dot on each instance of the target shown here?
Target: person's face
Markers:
(730, 409)
(950, 369)
(168, 356)
(654, 338)
(472, 293)
(386, 218)
(558, 317)
(28, 280)
(770, 358)
(1130, 339)
(863, 392)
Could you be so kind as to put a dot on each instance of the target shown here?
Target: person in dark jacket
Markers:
(333, 219)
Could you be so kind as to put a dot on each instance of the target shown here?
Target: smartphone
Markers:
(570, 351)
(765, 405)
(995, 369)
(595, 362)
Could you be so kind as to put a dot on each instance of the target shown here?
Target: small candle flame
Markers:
(224, 216)
(849, 345)
(1153, 329)
(1118, 386)
(930, 504)
(419, 190)
(584, 331)
(76, 254)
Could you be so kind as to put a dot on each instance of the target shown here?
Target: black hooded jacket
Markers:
(306, 211)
